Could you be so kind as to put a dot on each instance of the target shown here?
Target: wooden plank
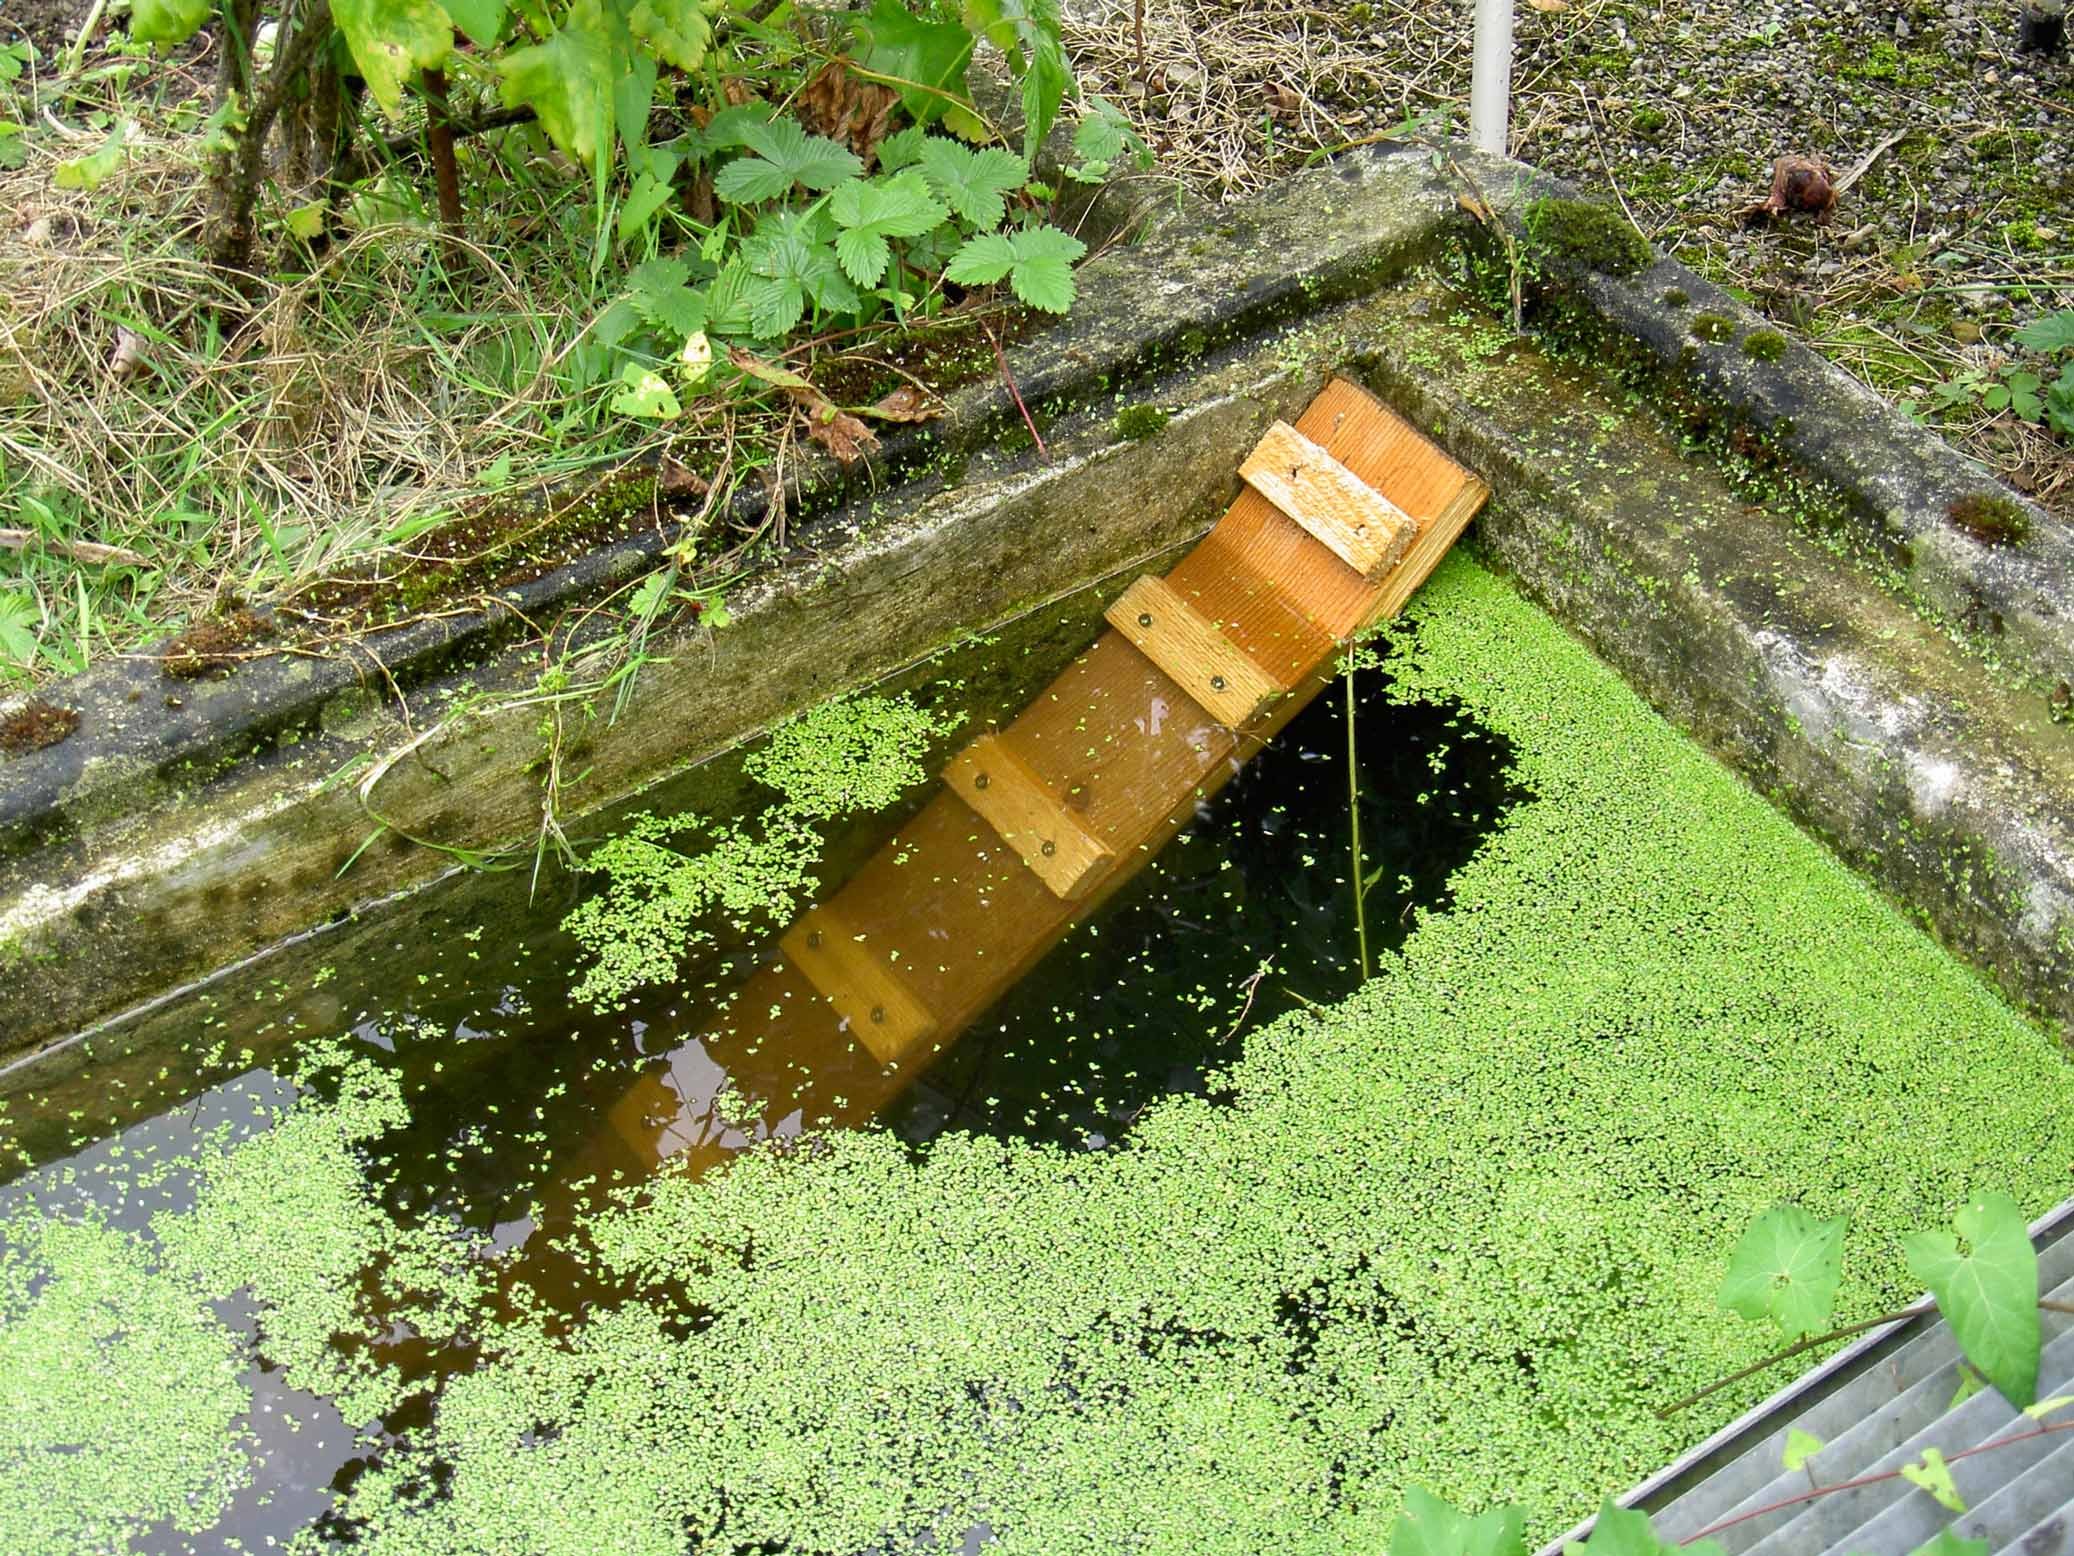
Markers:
(1019, 805)
(856, 975)
(1197, 657)
(1350, 518)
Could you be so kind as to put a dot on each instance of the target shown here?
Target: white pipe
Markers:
(1490, 76)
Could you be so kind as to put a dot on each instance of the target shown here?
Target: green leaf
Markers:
(648, 195)
(1800, 1447)
(1786, 1269)
(89, 171)
(1935, 1476)
(1101, 139)
(1430, 1527)
(1621, 1531)
(568, 81)
(1988, 1293)
(1948, 1542)
(678, 31)
(867, 214)
(791, 262)
(167, 21)
(18, 622)
(307, 220)
(785, 155)
(1970, 1384)
(973, 183)
(902, 149)
(660, 296)
(927, 58)
(646, 393)
(482, 20)
(1045, 85)
(1037, 261)
(2046, 1407)
(2051, 334)
(392, 40)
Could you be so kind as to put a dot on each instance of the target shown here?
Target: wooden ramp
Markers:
(1342, 517)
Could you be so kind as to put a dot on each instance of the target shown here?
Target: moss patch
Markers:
(36, 726)
(1580, 233)
(1463, 1231)
(217, 644)
(1992, 519)
(1713, 328)
(1764, 345)
(1136, 422)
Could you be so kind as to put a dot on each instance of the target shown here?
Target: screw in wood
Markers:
(1216, 683)
(1048, 848)
(1144, 618)
(981, 781)
(878, 1014)
(814, 939)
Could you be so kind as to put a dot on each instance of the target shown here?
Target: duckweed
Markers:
(1463, 1230)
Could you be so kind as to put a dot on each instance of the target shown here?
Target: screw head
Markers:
(1049, 848)
(1217, 683)
(814, 939)
(878, 1014)
(981, 781)
(1144, 618)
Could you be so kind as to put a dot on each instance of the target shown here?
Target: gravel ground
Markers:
(1960, 231)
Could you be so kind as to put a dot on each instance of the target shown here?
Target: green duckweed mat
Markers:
(1463, 1231)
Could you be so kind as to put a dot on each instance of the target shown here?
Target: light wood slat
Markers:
(856, 974)
(1020, 806)
(1350, 518)
(1197, 657)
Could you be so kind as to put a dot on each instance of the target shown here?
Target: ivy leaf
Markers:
(392, 40)
(167, 21)
(1038, 263)
(1988, 1294)
(1948, 1542)
(1800, 1447)
(644, 392)
(678, 31)
(568, 81)
(1430, 1527)
(973, 183)
(1786, 1269)
(1621, 1531)
(1935, 1476)
(785, 155)
(927, 59)
(2051, 334)
(482, 20)
(867, 214)
(791, 262)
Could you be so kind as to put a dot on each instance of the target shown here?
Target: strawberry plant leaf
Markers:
(926, 60)
(2051, 334)
(1988, 1292)
(973, 183)
(784, 155)
(982, 261)
(902, 149)
(167, 21)
(791, 262)
(1935, 1476)
(1786, 1269)
(867, 214)
(392, 40)
(18, 622)
(1430, 1527)
(91, 169)
(1038, 263)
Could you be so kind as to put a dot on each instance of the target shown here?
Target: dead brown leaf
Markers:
(677, 479)
(907, 403)
(842, 434)
(848, 110)
(1800, 186)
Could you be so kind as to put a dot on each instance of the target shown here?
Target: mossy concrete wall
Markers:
(1899, 709)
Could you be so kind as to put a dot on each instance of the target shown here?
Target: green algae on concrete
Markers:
(1463, 1231)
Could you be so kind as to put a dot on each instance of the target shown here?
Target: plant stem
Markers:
(439, 145)
(1354, 827)
(1008, 378)
(1792, 1350)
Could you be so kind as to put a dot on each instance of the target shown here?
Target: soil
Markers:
(36, 726)
(48, 24)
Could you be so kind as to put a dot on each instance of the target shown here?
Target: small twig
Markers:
(1252, 987)
(1137, 38)
(76, 550)
(1008, 378)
